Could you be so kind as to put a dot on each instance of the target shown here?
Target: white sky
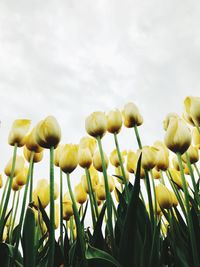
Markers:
(68, 58)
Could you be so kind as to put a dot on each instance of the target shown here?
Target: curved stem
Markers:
(138, 137)
(61, 211)
(10, 225)
(4, 194)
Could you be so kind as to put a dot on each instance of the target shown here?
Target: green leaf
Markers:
(7, 253)
(28, 238)
(44, 215)
(94, 253)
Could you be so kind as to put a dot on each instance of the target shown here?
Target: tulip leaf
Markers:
(44, 215)
(4, 223)
(84, 213)
(7, 254)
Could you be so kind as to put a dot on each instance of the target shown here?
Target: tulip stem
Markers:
(4, 194)
(31, 183)
(80, 231)
(91, 197)
(108, 195)
(15, 214)
(188, 218)
(61, 211)
(162, 178)
(148, 187)
(138, 137)
(155, 201)
(8, 191)
(122, 167)
(197, 170)
(71, 226)
(11, 215)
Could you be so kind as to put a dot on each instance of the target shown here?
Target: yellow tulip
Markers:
(67, 207)
(19, 165)
(162, 156)
(174, 198)
(94, 179)
(118, 172)
(97, 163)
(156, 174)
(1, 181)
(196, 137)
(176, 177)
(42, 192)
(69, 158)
(193, 154)
(178, 136)
(18, 132)
(192, 107)
(56, 191)
(31, 143)
(57, 154)
(88, 142)
(114, 121)
(114, 159)
(15, 186)
(21, 177)
(176, 165)
(163, 197)
(131, 115)
(36, 158)
(80, 194)
(148, 157)
(131, 166)
(48, 132)
(5, 233)
(100, 192)
(56, 217)
(111, 183)
(84, 157)
(96, 124)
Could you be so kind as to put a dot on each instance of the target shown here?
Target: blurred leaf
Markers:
(84, 213)
(44, 215)
(6, 255)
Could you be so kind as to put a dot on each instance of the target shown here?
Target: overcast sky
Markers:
(69, 58)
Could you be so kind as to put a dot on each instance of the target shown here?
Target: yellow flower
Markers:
(67, 207)
(15, 186)
(36, 158)
(19, 165)
(163, 197)
(31, 143)
(96, 124)
(131, 115)
(114, 121)
(48, 133)
(56, 217)
(18, 132)
(5, 233)
(192, 107)
(193, 154)
(148, 157)
(80, 194)
(100, 192)
(162, 156)
(174, 198)
(131, 166)
(156, 174)
(41, 192)
(176, 177)
(94, 179)
(1, 181)
(84, 157)
(69, 158)
(111, 183)
(178, 136)
(21, 177)
(196, 137)
(118, 172)
(176, 165)
(56, 191)
(97, 163)
(88, 142)
(114, 159)
(57, 154)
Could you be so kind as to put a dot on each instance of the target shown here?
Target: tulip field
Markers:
(144, 214)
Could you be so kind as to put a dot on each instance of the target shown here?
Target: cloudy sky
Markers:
(68, 58)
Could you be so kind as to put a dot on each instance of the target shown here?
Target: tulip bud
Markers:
(174, 199)
(84, 157)
(131, 166)
(18, 132)
(193, 154)
(15, 186)
(31, 143)
(114, 121)
(5, 233)
(88, 142)
(192, 107)
(98, 163)
(57, 154)
(178, 136)
(21, 177)
(176, 165)
(42, 192)
(80, 194)
(111, 183)
(56, 217)
(114, 159)
(196, 137)
(148, 157)
(100, 192)
(96, 124)
(36, 158)
(19, 165)
(131, 115)
(67, 207)
(94, 179)
(162, 156)
(56, 191)
(48, 133)
(176, 178)
(118, 172)
(156, 174)
(163, 197)
(69, 158)
(1, 181)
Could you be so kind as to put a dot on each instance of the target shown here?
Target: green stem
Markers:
(80, 230)
(11, 215)
(122, 167)
(108, 195)
(93, 196)
(137, 137)
(52, 212)
(148, 187)
(8, 192)
(4, 194)
(162, 178)
(31, 184)
(71, 225)
(197, 170)
(155, 201)
(61, 211)
(15, 214)
(188, 218)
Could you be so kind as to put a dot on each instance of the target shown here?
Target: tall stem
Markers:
(61, 211)
(15, 214)
(11, 215)
(31, 183)
(4, 194)
(138, 137)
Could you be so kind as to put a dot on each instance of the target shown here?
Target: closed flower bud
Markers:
(111, 183)
(84, 157)
(88, 142)
(19, 165)
(69, 158)
(162, 156)
(31, 143)
(80, 194)
(163, 197)
(174, 199)
(193, 154)
(36, 158)
(48, 133)
(131, 166)
(15, 186)
(100, 192)
(192, 107)
(97, 163)
(56, 191)
(156, 174)
(131, 115)
(178, 136)
(94, 179)
(96, 124)
(57, 154)
(114, 121)
(56, 217)
(21, 177)
(1, 181)
(114, 159)
(41, 192)
(67, 207)
(196, 137)
(176, 177)
(18, 132)
(148, 157)
(5, 233)
(118, 172)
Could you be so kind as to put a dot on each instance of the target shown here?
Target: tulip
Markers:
(56, 218)
(57, 154)
(88, 142)
(1, 181)
(196, 137)
(21, 177)
(94, 179)
(178, 136)
(18, 132)
(100, 192)
(148, 157)
(84, 157)
(19, 165)
(111, 183)
(96, 124)
(174, 199)
(97, 162)
(56, 191)
(176, 177)
(156, 174)
(176, 165)
(5, 233)
(114, 121)
(114, 159)
(80, 194)
(131, 115)
(37, 157)
(193, 154)
(118, 172)
(163, 197)
(69, 158)
(162, 156)
(42, 192)
(48, 133)
(15, 185)
(31, 143)
(192, 108)
(131, 166)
